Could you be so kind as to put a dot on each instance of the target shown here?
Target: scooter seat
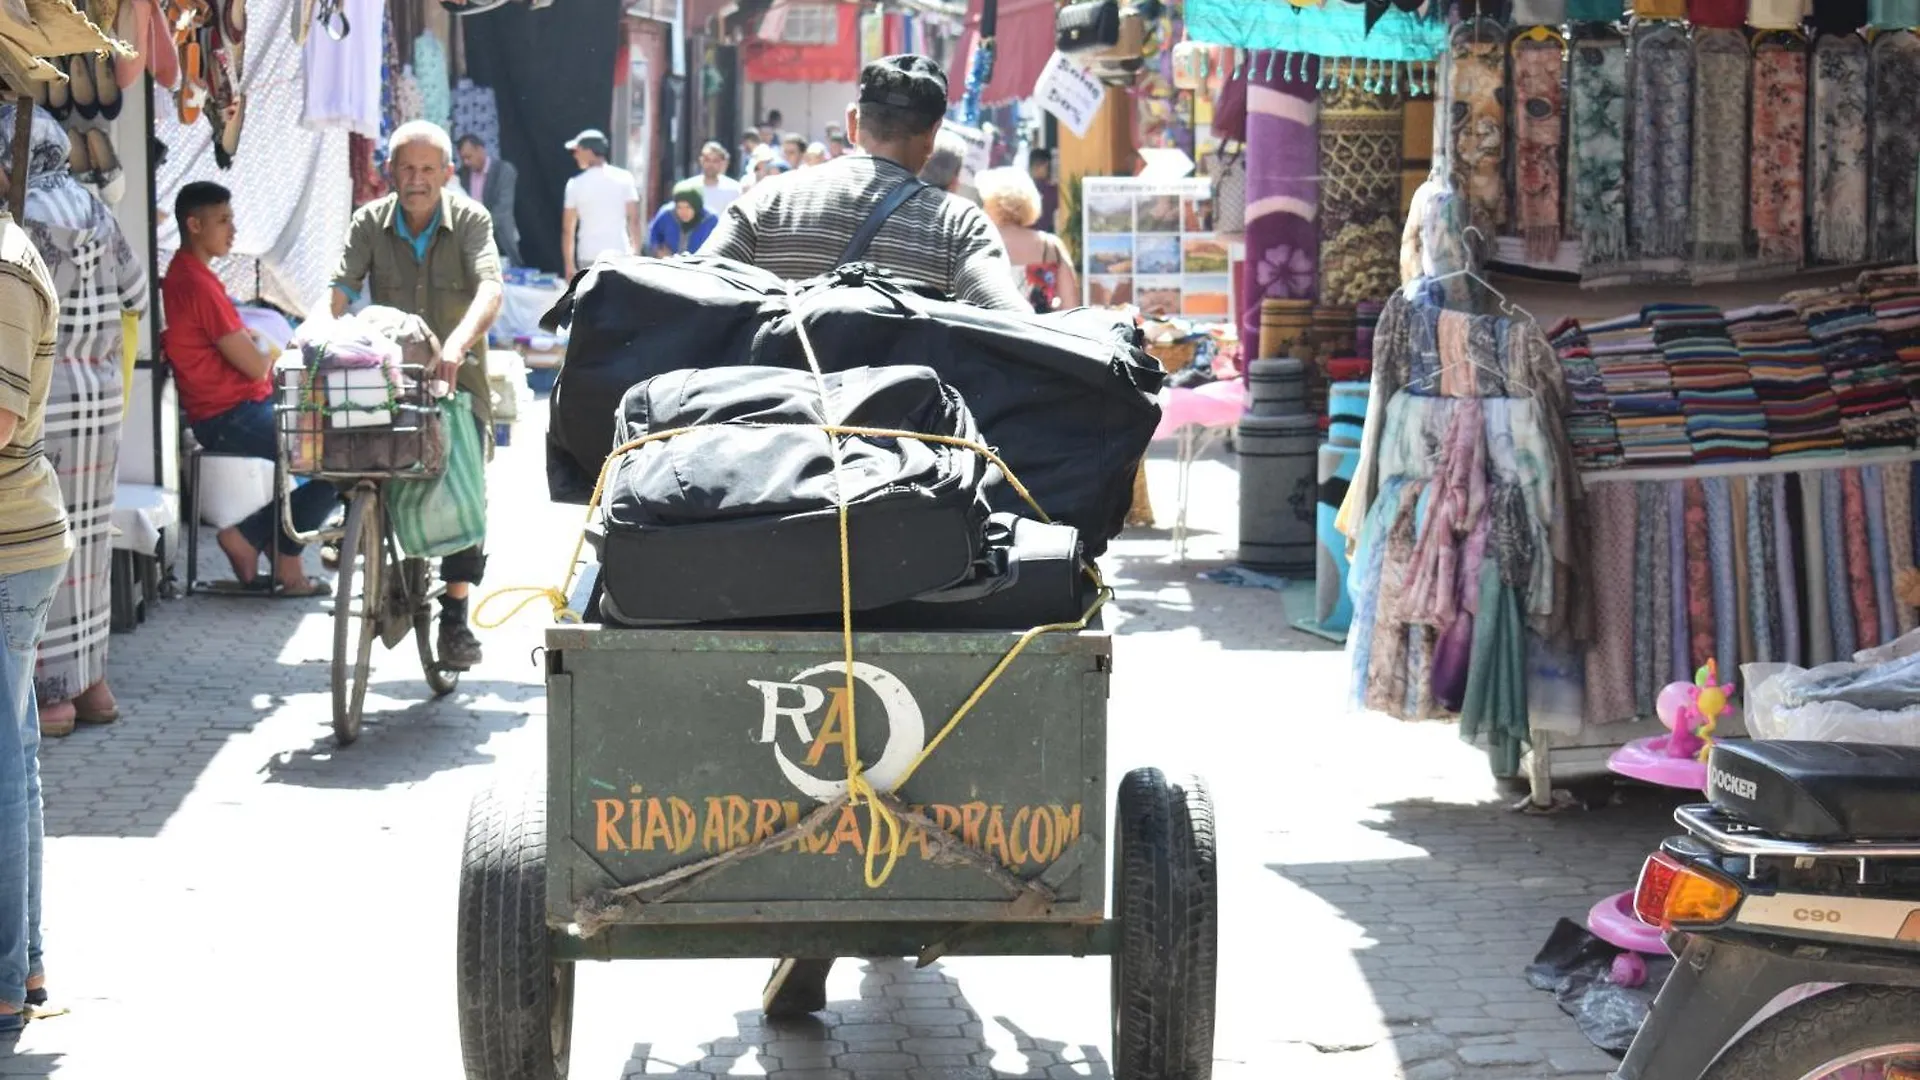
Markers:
(1818, 791)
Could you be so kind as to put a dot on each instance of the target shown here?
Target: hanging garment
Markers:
(1597, 157)
(408, 102)
(1723, 65)
(1860, 587)
(1813, 537)
(1660, 553)
(1478, 125)
(1679, 643)
(1896, 142)
(1839, 16)
(1647, 535)
(343, 78)
(1495, 707)
(1360, 133)
(1408, 40)
(1893, 14)
(477, 113)
(1762, 597)
(1717, 14)
(1539, 12)
(1660, 9)
(1898, 498)
(430, 68)
(1662, 111)
(1700, 615)
(1725, 589)
(1877, 548)
(1538, 77)
(1779, 150)
(1776, 14)
(1457, 499)
(1596, 11)
(1838, 201)
(1839, 578)
(1610, 682)
(1780, 552)
(1283, 190)
(1742, 571)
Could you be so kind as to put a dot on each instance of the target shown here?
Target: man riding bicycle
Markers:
(429, 251)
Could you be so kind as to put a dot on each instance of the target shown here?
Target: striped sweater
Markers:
(797, 224)
(33, 515)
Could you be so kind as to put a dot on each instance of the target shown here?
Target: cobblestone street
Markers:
(230, 897)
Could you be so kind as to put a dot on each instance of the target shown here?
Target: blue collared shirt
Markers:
(424, 240)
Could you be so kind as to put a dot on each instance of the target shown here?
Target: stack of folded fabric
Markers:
(1875, 408)
(1725, 421)
(1330, 335)
(1790, 379)
(1590, 428)
(1895, 297)
(1651, 426)
(1366, 316)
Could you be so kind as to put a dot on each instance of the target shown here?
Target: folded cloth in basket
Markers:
(735, 520)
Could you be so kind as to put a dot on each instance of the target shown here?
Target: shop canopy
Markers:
(1023, 43)
(772, 57)
(1335, 30)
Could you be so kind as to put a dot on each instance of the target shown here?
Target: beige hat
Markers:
(33, 29)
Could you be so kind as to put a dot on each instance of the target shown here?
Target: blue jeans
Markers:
(246, 430)
(24, 599)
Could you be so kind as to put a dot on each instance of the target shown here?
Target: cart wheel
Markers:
(441, 679)
(516, 1002)
(354, 625)
(1166, 927)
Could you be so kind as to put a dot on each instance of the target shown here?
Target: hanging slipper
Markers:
(106, 83)
(132, 29)
(234, 28)
(107, 173)
(193, 84)
(79, 162)
(86, 99)
(59, 91)
(158, 48)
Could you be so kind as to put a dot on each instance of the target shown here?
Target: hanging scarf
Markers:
(1717, 14)
(1283, 159)
(1720, 146)
(1839, 141)
(1538, 68)
(1779, 150)
(1660, 9)
(1839, 16)
(1776, 14)
(1896, 142)
(1893, 14)
(1598, 150)
(1596, 11)
(1479, 121)
(1539, 12)
(1360, 133)
(1660, 186)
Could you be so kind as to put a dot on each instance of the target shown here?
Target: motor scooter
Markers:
(1798, 882)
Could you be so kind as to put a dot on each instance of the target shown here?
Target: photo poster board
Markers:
(1150, 243)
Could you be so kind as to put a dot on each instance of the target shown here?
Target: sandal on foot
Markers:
(57, 720)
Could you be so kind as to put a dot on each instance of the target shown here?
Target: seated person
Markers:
(682, 225)
(226, 384)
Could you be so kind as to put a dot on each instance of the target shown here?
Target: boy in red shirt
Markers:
(226, 383)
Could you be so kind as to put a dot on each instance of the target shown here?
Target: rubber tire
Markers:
(1808, 1034)
(440, 679)
(516, 1003)
(1166, 922)
(360, 559)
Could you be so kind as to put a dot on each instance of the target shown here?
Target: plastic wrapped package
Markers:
(1841, 702)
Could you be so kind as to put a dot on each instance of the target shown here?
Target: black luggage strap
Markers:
(863, 237)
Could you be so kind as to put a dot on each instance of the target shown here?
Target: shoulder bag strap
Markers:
(863, 237)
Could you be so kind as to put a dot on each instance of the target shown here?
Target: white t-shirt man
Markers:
(719, 193)
(600, 196)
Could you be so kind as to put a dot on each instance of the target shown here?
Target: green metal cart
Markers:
(695, 805)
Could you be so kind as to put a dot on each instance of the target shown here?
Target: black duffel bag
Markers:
(734, 521)
(1067, 399)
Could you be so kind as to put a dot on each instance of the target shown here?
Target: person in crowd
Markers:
(97, 276)
(798, 228)
(717, 189)
(602, 207)
(793, 149)
(750, 145)
(840, 145)
(34, 545)
(775, 122)
(1041, 265)
(944, 165)
(430, 254)
(816, 155)
(766, 162)
(492, 182)
(1040, 169)
(224, 374)
(683, 224)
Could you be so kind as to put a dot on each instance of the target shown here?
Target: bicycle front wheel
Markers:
(356, 609)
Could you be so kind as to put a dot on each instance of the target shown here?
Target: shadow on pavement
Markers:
(909, 1024)
(1449, 903)
(413, 742)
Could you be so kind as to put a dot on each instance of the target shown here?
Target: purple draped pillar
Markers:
(1283, 187)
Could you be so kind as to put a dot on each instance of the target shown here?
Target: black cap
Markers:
(908, 81)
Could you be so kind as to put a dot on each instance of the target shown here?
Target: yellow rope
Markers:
(859, 788)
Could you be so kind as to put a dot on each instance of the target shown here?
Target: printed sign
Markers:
(802, 724)
(1070, 93)
(1151, 244)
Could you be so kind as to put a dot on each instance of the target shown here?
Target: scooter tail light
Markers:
(1674, 894)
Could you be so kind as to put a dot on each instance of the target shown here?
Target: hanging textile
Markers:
(430, 69)
(1896, 142)
(343, 78)
(476, 113)
(1776, 14)
(1839, 16)
(1660, 187)
(1283, 164)
(1408, 41)
(1596, 11)
(1539, 12)
(1893, 14)
(1660, 9)
(1839, 140)
(1359, 220)
(1538, 84)
(1779, 149)
(1717, 14)
(1722, 76)
(1479, 121)
(1596, 133)
(1610, 681)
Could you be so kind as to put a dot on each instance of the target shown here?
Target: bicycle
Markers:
(383, 429)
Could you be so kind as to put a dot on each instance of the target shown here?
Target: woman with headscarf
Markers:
(683, 224)
(97, 277)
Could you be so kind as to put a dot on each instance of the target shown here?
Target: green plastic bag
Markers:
(448, 513)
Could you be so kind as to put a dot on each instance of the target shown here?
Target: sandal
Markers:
(161, 51)
(107, 173)
(314, 587)
(79, 162)
(86, 97)
(59, 91)
(106, 84)
(193, 84)
(57, 720)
